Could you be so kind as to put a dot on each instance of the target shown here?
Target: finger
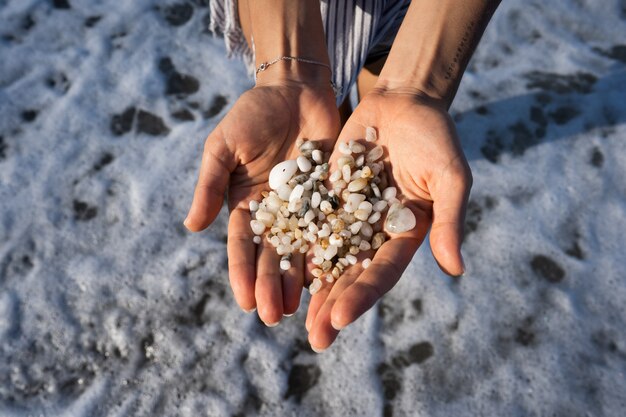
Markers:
(241, 258)
(217, 164)
(322, 334)
(268, 288)
(293, 280)
(449, 204)
(386, 268)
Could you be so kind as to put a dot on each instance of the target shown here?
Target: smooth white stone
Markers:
(389, 193)
(344, 148)
(335, 240)
(315, 286)
(334, 177)
(321, 215)
(355, 227)
(330, 278)
(254, 205)
(357, 148)
(364, 245)
(351, 259)
(316, 199)
(296, 194)
(284, 191)
(366, 230)
(360, 160)
(356, 240)
(273, 203)
(317, 156)
(257, 240)
(355, 199)
(281, 249)
(257, 226)
(346, 173)
(325, 206)
(380, 205)
(304, 164)
(275, 241)
(265, 217)
(286, 240)
(356, 175)
(317, 260)
(361, 215)
(366, 205)
(345, 160)
(331, 251)
(366, 263)
(309, 216)
(294, 206)
(370, 134)
(285, 265)
(374, 217)
(308, 185)
(400, 220)
(374, 154)
(282, 173)
(357, 185)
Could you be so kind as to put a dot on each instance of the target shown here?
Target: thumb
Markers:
(449, 203)
(217, 165)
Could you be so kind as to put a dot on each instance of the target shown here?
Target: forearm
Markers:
(434, 45)
(286, 28)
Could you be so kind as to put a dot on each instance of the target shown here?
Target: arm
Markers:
(423, 157)
(434, 45)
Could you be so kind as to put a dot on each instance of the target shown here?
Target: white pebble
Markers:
(366, 205)
(351, 259)
(257, 240)
(297, 192)
(334, 177)
(389, 193)
(315, 286)
(282, 173)
(355, 227)
(344, 148)
(317, 260)
(330, 252)
(308, 185)
(360, 160)
(345, 160)
(364, 245)
(254, 206)
(357, 185)
(317, 156)
(346, 173)
(303, 164)
(356, 147)
(284, 191)
(309, 216)
(257, 226)
(316, 199)
(361, 215)
(265, 217)
(370, 134)
(380, 205)
(326, 207)
(400, 220)
(285, 264)
(335, 240)
(366, 263)
(275, 241)
(374, 217)
(330, 278)
(375, 189)
(366, 230)
(374, 154)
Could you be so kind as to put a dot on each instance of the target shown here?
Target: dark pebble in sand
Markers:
(597, 158)
(617, 52)
(301, 379)
(547, 268)
(83, 211)
(3, 149)
(61, 4)
(580, 82)
(564, 114)
(105, 160)
(123, 122)
(92, 20)
(181, 84)
(183, 115)
(151, 124)
(219, 102)
(29, 115)
(178, 14)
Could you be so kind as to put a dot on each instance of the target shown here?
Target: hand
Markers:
(260, 131)
(424, 161)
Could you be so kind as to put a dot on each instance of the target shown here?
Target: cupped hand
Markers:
(425, 162)
(257, 133)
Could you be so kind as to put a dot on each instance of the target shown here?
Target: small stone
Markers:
(335, 240)
(257, 240)
(326, 207)
(366, 230)
(317, 272)
(357, 185)
(257, 226)
(400, 220)
(370, 134)
(346, 173)
(335, 176)
(330, 252)
(315, 286)
(378, 240)
(303, 164)
(254, 206)
(351, 259)
(374, 217)
(316, 199)
(366, 263)
(285, 264)
(265, 217)
(284, 191)
(389, 193)
(296, 194)
(379, 205)
(361, 215)
(345, 160)
(374, 154)
(282, 173)
(317, 156)
(344, 148)
(365, 245)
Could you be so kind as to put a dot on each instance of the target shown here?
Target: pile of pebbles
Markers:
(339, 222)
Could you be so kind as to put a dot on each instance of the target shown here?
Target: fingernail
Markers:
(253, 309)
(272, 324)
(316, 350)
(185, 222)
(336, 326)
(288, 315)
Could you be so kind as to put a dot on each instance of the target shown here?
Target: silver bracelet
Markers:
(266, 65)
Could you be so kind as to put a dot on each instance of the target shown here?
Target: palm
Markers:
(424, 161)
(260, 131)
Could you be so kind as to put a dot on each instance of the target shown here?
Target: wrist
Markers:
(294, 69)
